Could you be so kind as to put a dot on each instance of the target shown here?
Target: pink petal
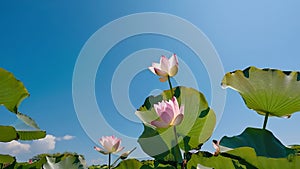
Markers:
(160, 72)
(175, 105)
(160, 107)
(181, 109)
(159, 124)
(178, 120)
(108, 146)
(173, 66)
(164, 64)
(167, 117)
(97, 148)
(156, 65)
(116, 145)
(100, 150)
(119, 149)
(157, 107)
(152, 69)
(173, 60)
(173, 71)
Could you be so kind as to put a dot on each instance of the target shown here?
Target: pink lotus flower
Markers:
(166, 67)
(111, 144)
(169, 113)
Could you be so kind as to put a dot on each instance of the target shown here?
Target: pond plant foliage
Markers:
(179, 121)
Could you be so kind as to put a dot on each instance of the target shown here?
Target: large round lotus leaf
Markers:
(262, 141)
(267, 90)
(8, 133)
(31, 135)
(242, 158)
(195, 129)
(67, 162)
(6, 159)
(12, 91)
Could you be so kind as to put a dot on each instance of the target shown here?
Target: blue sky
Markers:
(41, 42)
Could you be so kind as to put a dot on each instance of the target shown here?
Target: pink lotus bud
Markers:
(111, 144)
(166, 67)
(169, 113)
(216, 145)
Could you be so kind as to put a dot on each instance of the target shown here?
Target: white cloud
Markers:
(66, 137)
(43, 145)
(14, 148)
(24, 151)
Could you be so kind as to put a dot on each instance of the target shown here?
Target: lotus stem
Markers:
(178, 156)
(170, 84)
(266, 120)
(109, 159)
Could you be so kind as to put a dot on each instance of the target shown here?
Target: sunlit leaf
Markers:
(27, 120)
(242, 158)
(6, 159)
(31, 135)
(8, 133)
(262, 141)
(267, 90)
(296, 148)
(224, 160)
(195, 129)
(12, 91)
(68, 162)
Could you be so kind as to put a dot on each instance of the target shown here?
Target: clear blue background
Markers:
(41, 40)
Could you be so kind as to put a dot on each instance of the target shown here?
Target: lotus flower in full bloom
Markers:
(110, 144)
(170, 114)
(166, 68)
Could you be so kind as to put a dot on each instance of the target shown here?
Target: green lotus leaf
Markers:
(228, 160)
(195, 129)
(243, 157)
(296, 148)
(262, 141)
(6, 159)
(130, 163)
(8, 133)
(31, 135)
(12, 91)
(27, 120)
(269, 91)
(70, 162)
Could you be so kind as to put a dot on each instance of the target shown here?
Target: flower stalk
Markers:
(109, 160)
(266, 120)
(170, 85)
(178, 155)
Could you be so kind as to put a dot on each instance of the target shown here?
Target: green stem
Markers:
(109, 159)
(170, 85)
(266, 120)
(113, 164)
(178, 157)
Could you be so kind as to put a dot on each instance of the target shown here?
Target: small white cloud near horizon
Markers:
(24, 151)
(14, 148)
(66, 137)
